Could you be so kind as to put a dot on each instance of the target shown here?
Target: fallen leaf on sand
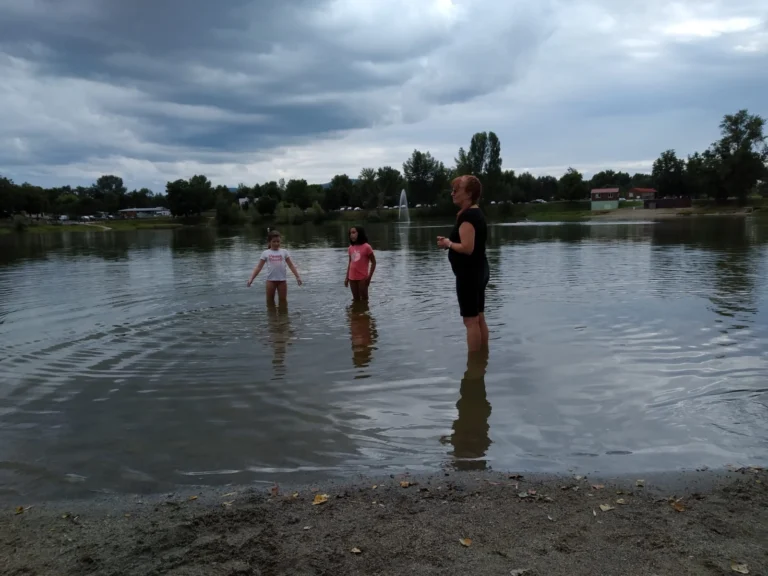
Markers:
(127, 515)
(532, 492)
(356, 551)
(374, 487)
(523, 495)
(405, 484)
(466, 542)
(597, 486)
(621, 501)
(20, 510)
(228, 494)
(678, 506)
(550, 518)
(192, 498)
(606, 507)
(320, 499)
(640, 483)
(578, 477)
(740, 568)
(295, 495)
(275, 490)
(594, 513)
(519, 572)
(228, 503)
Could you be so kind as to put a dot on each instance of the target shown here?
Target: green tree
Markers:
(426, 177)
(739, 156)
(365, 188)
(389, 184)
(297, 193)
(572, 185)
(339, 193)
(669, 175)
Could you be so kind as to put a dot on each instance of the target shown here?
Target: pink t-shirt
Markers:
(360, 258)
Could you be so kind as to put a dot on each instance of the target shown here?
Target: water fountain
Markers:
(403, 208)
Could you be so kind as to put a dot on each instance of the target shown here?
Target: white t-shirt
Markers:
(277, 270)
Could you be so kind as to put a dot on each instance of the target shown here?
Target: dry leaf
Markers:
(307, 527)
(127, 515)
(578, 477)
(295, 495)
(356, 551)
(466, 542)
(20, 510)
(740, 568)
(606, 507)
(192, 498)
(228, 503)
(228, 494)
(640, 483)
(597, 486)
(621, 501)
(678, 506)
(275, 490)
(532, 492)
(320, 499)
(550, 518)
(405, 484)
(523, 495)
(594, 513)
(375, 486)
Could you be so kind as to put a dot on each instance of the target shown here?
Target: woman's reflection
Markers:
(362, 328)
(279, 335)
(470, 439)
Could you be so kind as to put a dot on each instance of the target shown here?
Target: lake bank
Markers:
(448, 524)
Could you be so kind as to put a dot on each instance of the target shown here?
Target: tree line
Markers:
(732, 167)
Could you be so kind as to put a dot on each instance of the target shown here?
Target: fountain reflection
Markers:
(470, 438)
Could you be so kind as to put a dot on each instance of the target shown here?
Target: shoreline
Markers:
(675, 523)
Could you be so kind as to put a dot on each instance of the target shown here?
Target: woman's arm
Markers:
(256, 271)
(466, 245)
(293, 269)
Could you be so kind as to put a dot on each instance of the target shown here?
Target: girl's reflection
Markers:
(362, 328)
(470, 439)
(280, 333)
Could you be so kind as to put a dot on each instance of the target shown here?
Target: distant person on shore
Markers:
(466, 252)
(362, 264)
(277, 260)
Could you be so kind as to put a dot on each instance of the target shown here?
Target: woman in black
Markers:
(466, 252)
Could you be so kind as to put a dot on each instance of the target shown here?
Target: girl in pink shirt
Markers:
(360, 255)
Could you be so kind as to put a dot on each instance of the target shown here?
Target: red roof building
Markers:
(599, 194)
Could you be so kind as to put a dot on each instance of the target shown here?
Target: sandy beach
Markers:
(447, 524)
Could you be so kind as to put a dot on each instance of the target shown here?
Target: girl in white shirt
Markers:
(276, 259)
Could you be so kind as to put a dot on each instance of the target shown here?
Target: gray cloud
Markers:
(256, 89)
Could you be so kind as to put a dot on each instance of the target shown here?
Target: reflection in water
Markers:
(362, 328)
(280, 334)
(470, 438)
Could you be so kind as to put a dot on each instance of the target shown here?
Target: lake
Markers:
(139, 361)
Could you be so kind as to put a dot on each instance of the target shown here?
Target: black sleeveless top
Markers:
(475, 263)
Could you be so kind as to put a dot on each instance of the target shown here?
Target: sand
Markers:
(678, 524)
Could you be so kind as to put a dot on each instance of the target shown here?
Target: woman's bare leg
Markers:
(483, 331)
(474, 336)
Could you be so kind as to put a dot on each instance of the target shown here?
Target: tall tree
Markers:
(425, 176)
(572, 185)
(669, 174)
(297, 193)
(339, 193)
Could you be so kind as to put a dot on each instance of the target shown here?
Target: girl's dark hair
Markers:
(272, 234)
(362, 237)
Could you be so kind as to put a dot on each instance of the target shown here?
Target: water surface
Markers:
(140, 361)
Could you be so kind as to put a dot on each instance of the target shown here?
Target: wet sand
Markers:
(689, 523)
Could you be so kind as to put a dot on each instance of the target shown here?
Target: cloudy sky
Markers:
(253, 90)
